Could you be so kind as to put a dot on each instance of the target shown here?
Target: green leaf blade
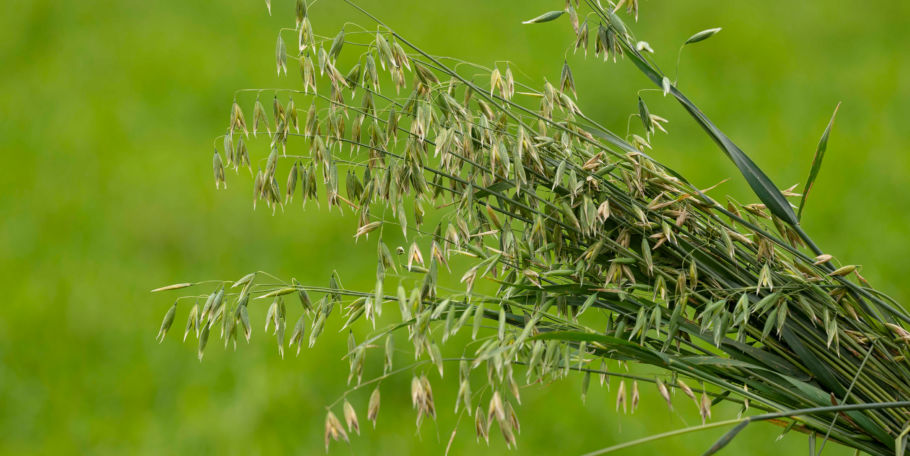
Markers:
(817, 162)
(726, 438)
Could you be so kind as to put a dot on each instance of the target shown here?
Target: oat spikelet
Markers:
(167, 322)
(621, 396)
(350, 418)
(373, 407)
(704, 408)
(333, 430)
(664, 393)
(480, 425)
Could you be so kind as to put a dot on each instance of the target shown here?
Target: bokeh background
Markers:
(107, 115)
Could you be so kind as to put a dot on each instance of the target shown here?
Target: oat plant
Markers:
(519, 241)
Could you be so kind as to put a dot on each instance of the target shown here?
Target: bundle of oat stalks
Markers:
(573, 246)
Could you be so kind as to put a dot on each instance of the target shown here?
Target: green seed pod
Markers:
(259, 117)
(166, 323)
(318, 325)
(218, 169)
(301, 12)
(192, 322)
(302, 295)
(401, 57)
(353, 76)
(228, 147)
(203, 340)
(645, 116)
(337, 44)
(281, 56)
(291, 185)
(245, 322)
(307, 73)
(566, 81)
(237, 120)
(545, 17)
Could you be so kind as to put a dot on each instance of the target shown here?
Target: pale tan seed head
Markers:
(333, 429)
(664, 393)
(621, 396)
(686, 389)
(350, 418)
(480, 425)
(373, 407)
(704, 408)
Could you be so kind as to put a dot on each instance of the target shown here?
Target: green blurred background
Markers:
(107, 114)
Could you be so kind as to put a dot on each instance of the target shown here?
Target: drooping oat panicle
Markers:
(192, 322)
(554, 225)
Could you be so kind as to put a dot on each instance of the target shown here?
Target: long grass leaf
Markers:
(726, 438)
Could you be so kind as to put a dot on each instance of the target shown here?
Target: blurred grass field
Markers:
(107, 114)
